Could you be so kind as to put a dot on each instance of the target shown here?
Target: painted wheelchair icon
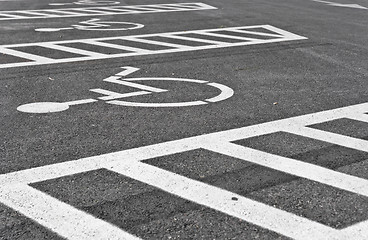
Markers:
(115, 98)
(87, 2)
(96, 24)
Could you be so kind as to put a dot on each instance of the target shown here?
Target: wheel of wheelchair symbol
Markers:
(225, 93)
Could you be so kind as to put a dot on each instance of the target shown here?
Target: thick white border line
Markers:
(127, 162)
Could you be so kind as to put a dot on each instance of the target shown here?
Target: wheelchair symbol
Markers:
(96, 24)
(115, 98)
(87, 2)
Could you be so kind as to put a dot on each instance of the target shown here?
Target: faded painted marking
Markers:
(100, 11)
(127, 162)
(172, 48)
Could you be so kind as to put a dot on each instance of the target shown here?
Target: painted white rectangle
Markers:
(100, 11)
(136, 51)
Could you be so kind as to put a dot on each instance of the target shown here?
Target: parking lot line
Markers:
(99, 11)
(137, 51)
(128, 163)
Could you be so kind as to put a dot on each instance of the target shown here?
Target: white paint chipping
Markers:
(33, 60)
(128, 163)
(102, 11)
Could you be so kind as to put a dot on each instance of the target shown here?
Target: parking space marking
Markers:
(98, 11)
(278, 35)
(129, 163)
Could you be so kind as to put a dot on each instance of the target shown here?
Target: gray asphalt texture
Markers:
(326, 71)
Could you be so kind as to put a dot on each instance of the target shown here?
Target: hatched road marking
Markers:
(15, 192)
(98, 11)
(252, 35)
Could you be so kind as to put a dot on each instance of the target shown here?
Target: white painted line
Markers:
(114, 95)
(24, 55)
(229, 36)
(193, 39)
(63, 12)
(166, 79)
(292, 166)
(127, 162)
(357, 6)
(134, 85)
(9, 16)
(342, 140)
(90, 55)
(36, 13)
(128, 70)
(137, 39)
(101, 11)
(110, 45)
(83, 101)
(75, 50)
(226, 92)
(258, 33)
(360, 117)
(246, 209)
(59, 217)
(62, 169)
(357, 231)
(156, 105)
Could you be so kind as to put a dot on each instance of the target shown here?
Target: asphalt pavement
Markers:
(236, 119)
